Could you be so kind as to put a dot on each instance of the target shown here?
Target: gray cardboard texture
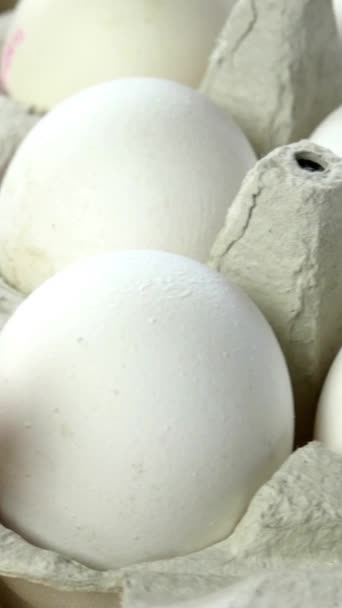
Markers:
(293, 523)
(277, 69)
(281, 243)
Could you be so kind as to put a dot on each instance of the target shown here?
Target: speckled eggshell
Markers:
(329, 133)
(143, 401)
(328, 425)
(56, 48)
(130, 164)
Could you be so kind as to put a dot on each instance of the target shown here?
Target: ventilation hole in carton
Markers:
(308, 162)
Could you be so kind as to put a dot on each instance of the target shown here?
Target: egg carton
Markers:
(281, 245)
(291, 534)
(277, 69)
(292, 531)
(289, 542)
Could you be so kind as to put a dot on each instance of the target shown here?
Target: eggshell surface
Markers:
(56, 48)
(329, 133)
(136, 163)
(328, 425)
(143, 400)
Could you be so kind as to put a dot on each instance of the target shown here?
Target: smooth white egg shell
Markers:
(56, 48)
(329, 132)
(328, 425)
(135, 163)
(143, 401)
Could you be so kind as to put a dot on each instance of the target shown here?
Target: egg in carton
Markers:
(21, 580)
(20, 54)
(284, 26)
(169, 40)
(41, 578)
(127, 391)
(278, 86)
(288, 544)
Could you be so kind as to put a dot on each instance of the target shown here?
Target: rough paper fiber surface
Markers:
(277, 69)
(294, 523)
(312, 588)
(282, 244)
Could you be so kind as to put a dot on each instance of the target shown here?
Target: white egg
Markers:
(329, 133)
(57, 47)
(328, 425)
(135, 163)
(143, 401)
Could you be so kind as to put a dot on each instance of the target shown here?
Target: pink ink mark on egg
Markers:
(9, 51)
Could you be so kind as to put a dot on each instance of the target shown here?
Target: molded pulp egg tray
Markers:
(287, 549)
